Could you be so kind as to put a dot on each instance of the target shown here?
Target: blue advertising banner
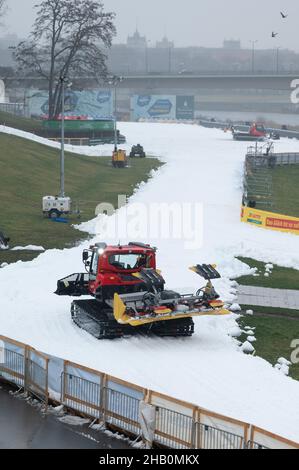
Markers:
(162, 107)
(185, 107)
(93, 104)
(153, 107)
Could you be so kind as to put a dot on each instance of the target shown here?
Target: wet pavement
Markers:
(22, 426)
(268, 297)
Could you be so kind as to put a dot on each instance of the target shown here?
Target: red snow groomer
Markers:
(129, 295)
(256, 132)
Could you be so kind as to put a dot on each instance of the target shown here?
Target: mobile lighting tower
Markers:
(56, 206)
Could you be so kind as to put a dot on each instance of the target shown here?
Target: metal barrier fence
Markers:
(257, 157)
(81, 395)
(286, 158)
(117, 403)
(37, 380)
(208, 437)
(121, 410)
(18, 109)
(174, 429)
(255, 446)
(72, 140)
(13, 367)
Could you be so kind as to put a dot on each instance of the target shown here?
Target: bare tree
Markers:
(3, 7)
(67, 38)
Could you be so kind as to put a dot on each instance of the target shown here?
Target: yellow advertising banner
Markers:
(270, 220)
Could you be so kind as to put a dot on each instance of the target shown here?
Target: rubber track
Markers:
(96, 320)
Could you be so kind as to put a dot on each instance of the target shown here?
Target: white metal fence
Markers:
(116, 403)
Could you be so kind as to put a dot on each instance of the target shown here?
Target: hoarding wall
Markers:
(170, 107)
(93, 104)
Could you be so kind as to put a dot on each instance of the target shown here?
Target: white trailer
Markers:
(56, 206)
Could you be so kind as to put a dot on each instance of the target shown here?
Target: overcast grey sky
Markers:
(189, 22)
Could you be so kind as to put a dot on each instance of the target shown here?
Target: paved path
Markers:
(24, 427)
(267, 297)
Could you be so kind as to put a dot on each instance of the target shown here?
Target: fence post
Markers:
(104, 398)
(47, 385)
(26, 369)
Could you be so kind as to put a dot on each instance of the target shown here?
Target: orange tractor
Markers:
(256, 132)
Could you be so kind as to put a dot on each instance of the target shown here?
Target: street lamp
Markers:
(277, 60)
(64, 82)
(147, 55)
(169, 60)
(113, 82)
(253, 54)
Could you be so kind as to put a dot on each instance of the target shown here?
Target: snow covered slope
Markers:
(203, 166)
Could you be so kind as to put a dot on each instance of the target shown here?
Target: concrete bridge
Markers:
(228, 92)
(257, 92)
(255, 81)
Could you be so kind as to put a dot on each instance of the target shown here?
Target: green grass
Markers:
(274, 337)
(281, 278)
(24, 124)
(28, 171)
(274, 311)
(285, 190)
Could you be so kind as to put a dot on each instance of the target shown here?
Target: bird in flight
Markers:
(274, 34)
(283, 15)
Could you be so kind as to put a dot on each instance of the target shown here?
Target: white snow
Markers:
(208, 369)
(28, 248)
(251, 339)
(247, 347)
(235, 332)
(249, 312)
(282, 368)
(74, 420)
(97, 151)
(235, 308)
(249, 332)
(284, 361)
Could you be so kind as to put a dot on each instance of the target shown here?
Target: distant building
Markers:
(9, 40)
(165, 44)
(231, 44)
(2, 92)
(137, 40)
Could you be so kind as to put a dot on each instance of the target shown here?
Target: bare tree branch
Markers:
(67, 37)
(2, 7)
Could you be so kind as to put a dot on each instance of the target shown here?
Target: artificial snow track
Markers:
(202, 166)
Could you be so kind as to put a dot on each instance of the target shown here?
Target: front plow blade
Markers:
(130, 309)
(207, 271)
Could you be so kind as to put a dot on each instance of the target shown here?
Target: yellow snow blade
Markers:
(120, 315)
(119, 309)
